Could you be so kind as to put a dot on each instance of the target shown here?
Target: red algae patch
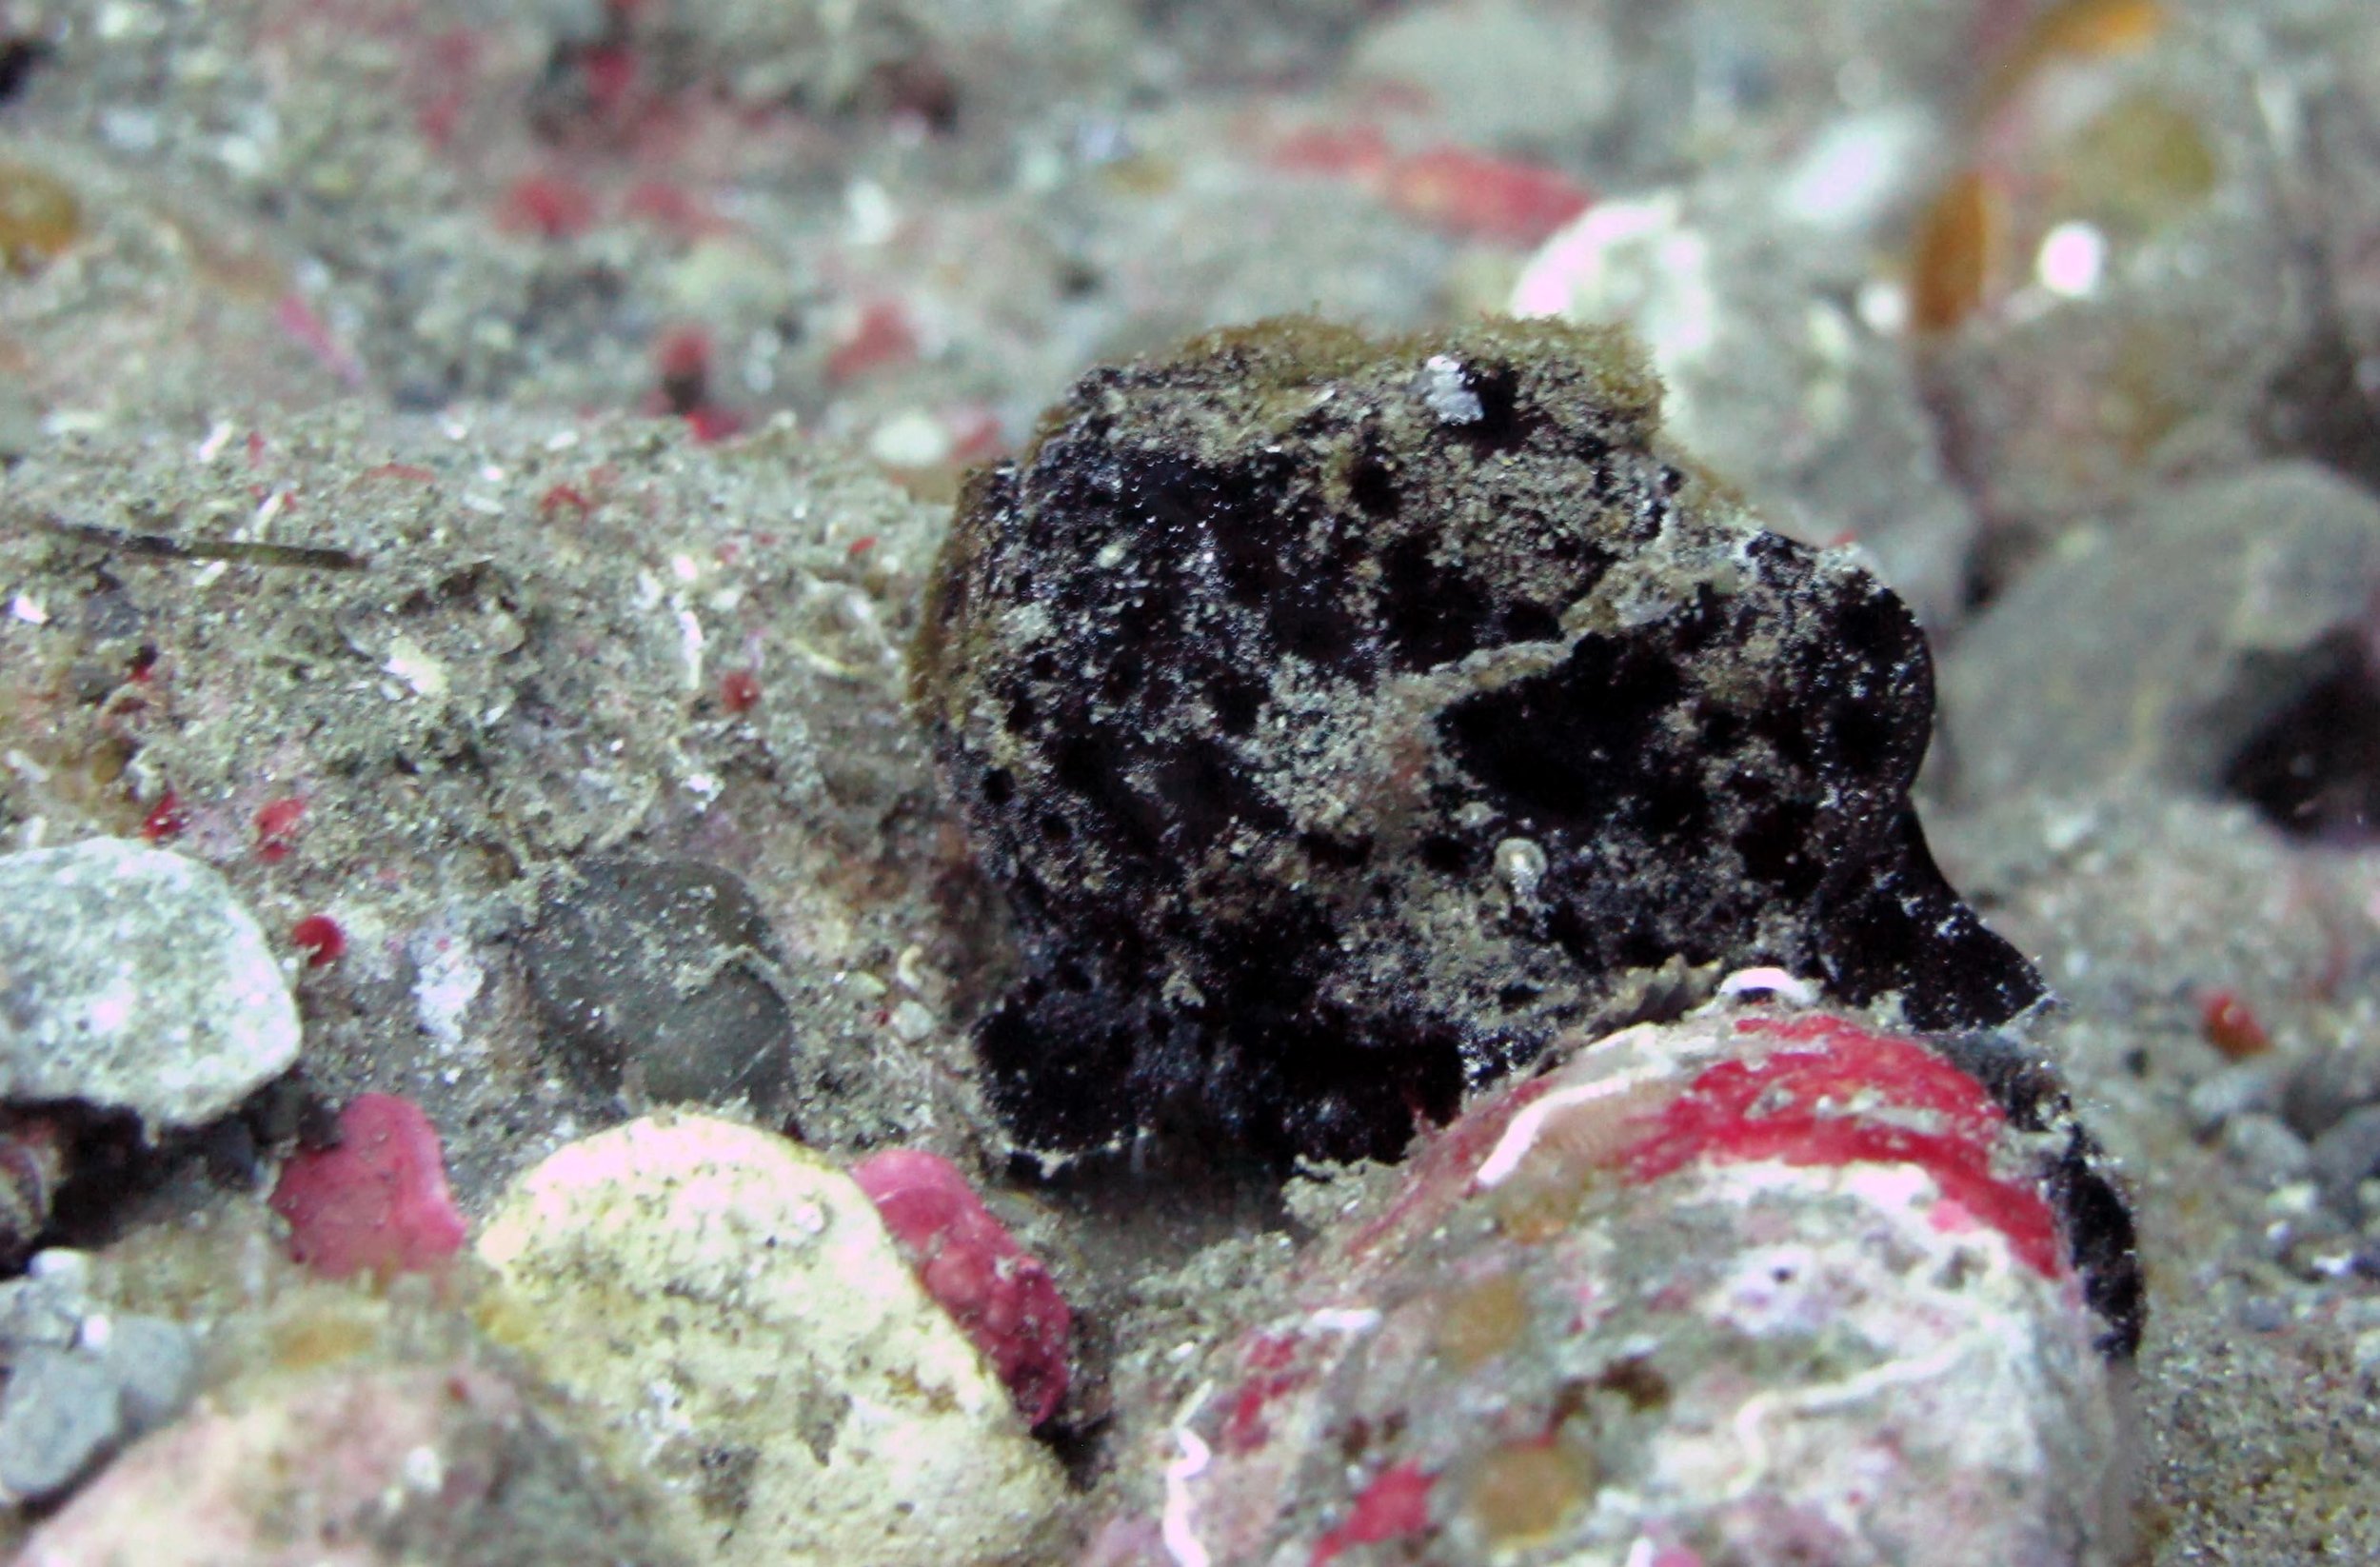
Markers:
(1004, 1298)
(378, 1202)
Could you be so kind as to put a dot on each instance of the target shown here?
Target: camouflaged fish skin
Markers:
(1347, 718)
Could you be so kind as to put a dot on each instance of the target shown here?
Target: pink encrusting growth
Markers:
(999, 1294)
(378, 1202)
(1397, 1503)
(1855, 1097)
(1271, 1358)
(1460, 190)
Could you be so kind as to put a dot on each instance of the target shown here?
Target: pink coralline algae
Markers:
(1396, 1503)
(1001, 1297)
(376, 1202)
(1754, 1287)
(1792, 1108)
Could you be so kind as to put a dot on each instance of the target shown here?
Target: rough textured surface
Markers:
(1740, 297)
(1344, 719)
(508, 654)
(2221, 638)
(59, 1413)
(733, 1308)
(349, 1467)
(1670, 1286)
(132, 979)
(420, 206)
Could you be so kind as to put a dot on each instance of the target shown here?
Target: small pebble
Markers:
(155, 1364)
(2348, 1151)
(376, 1203)
(2266, 1145)
(2264, 1313)
(2233, 1091)
(62, 1410)
(44, 1306)
(2331, 1084)
(648, 972)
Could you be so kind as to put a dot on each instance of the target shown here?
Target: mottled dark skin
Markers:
(1345, 719)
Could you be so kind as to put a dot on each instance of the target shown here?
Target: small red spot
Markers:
(669, 208)
(683, 359)
(1272, 1358)
(975, 434)
(1472, 193)
(276, 828)
(319, 937)
(305, 324)
(378, 1202)
(1396, 1503)
(549, 205)
(709, 423)
(610, 74)
(411, 473)
(1361, 153)
(564, 495)
(740, 690)
(255, 449)
(446, 74)
(165, 820)
(2231, 1026)
(882, 336)
(861, 545)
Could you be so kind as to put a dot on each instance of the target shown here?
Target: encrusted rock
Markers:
(1346, 719)
(1762, 1287)
(132, 979)
(732, 1308)
(364, 1466)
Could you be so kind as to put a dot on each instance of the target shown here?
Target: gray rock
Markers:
(2332, 1083)
(656, 975)
(69, 1404)
(2233, 1091)
(2169, 643)
(2348, 1152)
(60, 1413)
(153, 1362)
(1502, 72)
(2267, 1146)
(132, 979)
